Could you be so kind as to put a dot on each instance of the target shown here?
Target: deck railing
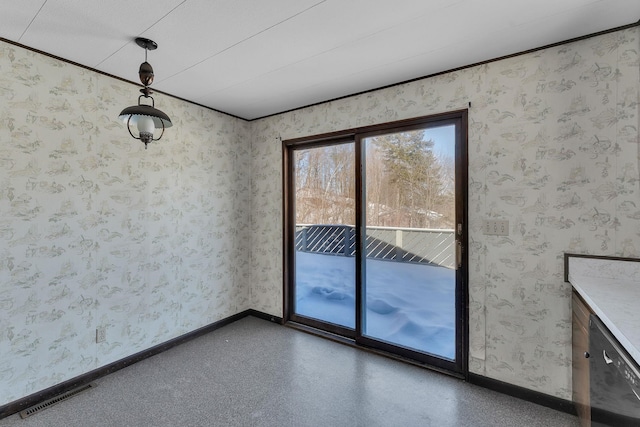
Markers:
(415, 245)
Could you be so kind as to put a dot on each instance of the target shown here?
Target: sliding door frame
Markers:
(459, 366)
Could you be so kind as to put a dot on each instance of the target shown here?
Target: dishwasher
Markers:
(614, 380)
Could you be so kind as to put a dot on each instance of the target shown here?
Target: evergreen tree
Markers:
(414, 176)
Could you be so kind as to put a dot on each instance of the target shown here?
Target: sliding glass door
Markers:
(409, 285)
(375, 228)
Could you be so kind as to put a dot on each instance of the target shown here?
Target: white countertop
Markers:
(615, 298)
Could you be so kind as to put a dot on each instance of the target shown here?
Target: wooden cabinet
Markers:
(580, 374)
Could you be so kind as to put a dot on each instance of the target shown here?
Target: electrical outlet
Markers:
(101, 334)
(496, 227)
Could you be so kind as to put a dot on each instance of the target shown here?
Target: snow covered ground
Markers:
(410, 305)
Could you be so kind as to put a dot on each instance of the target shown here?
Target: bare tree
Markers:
(325, 185)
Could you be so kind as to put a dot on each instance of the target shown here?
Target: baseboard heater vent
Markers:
(50, 402)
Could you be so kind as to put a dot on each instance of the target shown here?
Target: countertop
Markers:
(612, 290)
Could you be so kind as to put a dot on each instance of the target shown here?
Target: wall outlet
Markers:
(496, 227)
(101, 334)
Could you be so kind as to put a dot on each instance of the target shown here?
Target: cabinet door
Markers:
(580, 326)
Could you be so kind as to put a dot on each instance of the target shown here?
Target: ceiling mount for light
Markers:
(146, 44)
(146, 118)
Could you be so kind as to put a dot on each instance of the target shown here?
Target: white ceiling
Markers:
(253, 58)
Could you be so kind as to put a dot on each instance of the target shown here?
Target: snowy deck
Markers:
(411, 305)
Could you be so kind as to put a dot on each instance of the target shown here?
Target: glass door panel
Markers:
(409, 286)
(324, 256)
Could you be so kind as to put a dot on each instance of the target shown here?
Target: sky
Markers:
(444, 139)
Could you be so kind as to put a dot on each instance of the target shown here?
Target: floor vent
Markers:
(50, 402)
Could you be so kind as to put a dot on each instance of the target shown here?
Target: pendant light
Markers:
(145, 118)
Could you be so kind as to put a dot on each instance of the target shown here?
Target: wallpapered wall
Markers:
(553, 148)
(96, 231)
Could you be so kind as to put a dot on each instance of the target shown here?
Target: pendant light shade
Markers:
(140, 112)
(146, 119)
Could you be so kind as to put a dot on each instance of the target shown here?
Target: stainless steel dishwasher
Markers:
(614, 380)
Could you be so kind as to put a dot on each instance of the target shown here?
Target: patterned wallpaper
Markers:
(553, 148)
(95, 231)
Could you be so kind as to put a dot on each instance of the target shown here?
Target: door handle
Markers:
(607, 359)
(458, 254)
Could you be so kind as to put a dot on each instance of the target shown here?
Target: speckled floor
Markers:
(256, 373)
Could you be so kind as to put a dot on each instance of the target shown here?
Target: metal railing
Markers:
(414, 245)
